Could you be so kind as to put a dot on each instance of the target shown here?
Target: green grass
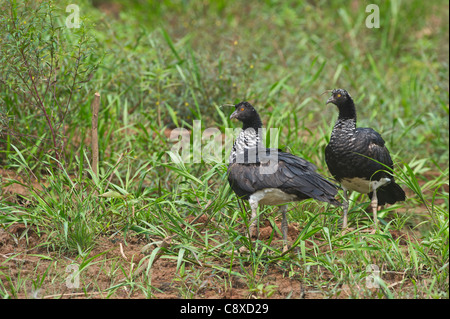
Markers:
(162, 65)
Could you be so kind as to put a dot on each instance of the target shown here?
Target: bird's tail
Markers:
(306, 180)
(389, 194)
(323, 190)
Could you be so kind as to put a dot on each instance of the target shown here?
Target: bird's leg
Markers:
(284, 227)
(344, 223)
(374, 204)
(253, 219)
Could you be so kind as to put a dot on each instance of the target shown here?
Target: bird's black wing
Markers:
(377, 150)
(373, 146)
(284, 171)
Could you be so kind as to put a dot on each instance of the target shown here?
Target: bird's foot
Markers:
(370, 231)
(243, 249)
(253, 232)
(347, 230)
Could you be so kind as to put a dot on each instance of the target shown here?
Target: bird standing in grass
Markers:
(270, 176)
(359, 159)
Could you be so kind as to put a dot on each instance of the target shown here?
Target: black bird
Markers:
(270, 176)
(359, 159)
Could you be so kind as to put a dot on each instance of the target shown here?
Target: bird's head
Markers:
(247, 114)
(244, 111)
(339, 97)
(345, 104)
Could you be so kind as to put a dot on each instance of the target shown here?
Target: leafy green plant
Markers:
(44, 65)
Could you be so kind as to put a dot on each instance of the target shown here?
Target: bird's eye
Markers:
(242, 109)
(339, 95)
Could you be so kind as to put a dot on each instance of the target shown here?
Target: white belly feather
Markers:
(272, 196)
(362, 185)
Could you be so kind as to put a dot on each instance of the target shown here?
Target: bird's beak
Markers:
(233, 115)
(330, 100)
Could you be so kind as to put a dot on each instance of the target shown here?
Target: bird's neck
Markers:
(347, 112)
(248, 139)
(254, 123)
(346, 121)
(344, 125)
(250, 135)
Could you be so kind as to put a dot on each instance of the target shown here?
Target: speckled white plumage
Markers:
(247, 139)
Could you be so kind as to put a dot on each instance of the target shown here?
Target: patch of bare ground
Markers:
(31, 267)
(24, 256)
